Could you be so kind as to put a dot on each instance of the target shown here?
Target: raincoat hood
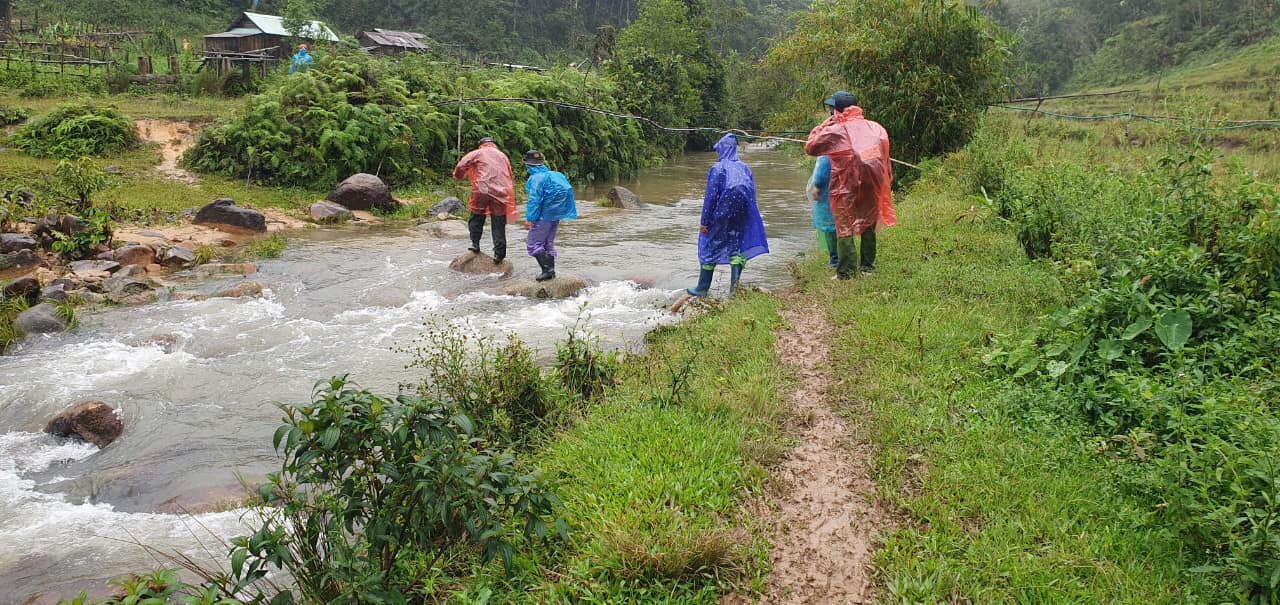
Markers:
(537, 169)
(728, 148)
(852, 113)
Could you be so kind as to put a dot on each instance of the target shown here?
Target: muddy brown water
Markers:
(196, 382)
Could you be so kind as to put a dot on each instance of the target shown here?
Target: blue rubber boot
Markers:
(704, 283)
(735, 274)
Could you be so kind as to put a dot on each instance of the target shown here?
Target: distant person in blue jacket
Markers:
(550, 201)
(823, 221)
(302, 60)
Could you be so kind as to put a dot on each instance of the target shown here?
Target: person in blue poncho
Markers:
(732, 231)
(302, 60)
(823, 221)
(550, 201)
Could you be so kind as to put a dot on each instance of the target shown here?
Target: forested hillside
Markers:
(1071, 43)
(519, 29)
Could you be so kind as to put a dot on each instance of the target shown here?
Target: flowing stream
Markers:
(195, 382)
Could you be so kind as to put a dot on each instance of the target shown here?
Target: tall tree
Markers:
(925, 69)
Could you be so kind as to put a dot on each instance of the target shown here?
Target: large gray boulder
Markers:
(52, 224)
(56, 293)
(363, 192)
(13, 242)
(134, 255)
(472, 263)
(242, 290)
(563, 286)
(224, 215)
(445, 229)
(449, 205)
(43, 318)
(23, 287)
(177, 256)
(91, 421)
(22, 259)
(621, 197)
(128, 291)
(87, 267)
(329, 212)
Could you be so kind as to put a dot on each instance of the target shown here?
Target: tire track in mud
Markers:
(826, 517)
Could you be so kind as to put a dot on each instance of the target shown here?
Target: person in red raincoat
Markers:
(493, 194)
(861, 181)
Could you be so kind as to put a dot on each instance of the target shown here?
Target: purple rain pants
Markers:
(542, 238)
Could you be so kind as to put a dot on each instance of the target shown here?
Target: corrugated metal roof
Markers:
(395, 39)
(414, 35)
(273, 25)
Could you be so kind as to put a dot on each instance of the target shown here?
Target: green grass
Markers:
(155, 106)
(654, 493)
(996, 508)
(1223, 85)
(271, 246)
(136, 193)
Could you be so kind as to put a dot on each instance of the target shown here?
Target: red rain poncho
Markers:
(493, 190)
(861, 177)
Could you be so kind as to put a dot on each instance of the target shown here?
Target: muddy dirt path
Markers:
(826, 515)
(174, 138)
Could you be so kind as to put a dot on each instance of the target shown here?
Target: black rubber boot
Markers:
(498, 226)
(548, 264)
(704, 283)
(735, 274)
(475, 227)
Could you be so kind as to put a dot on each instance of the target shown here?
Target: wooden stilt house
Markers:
(254, 34)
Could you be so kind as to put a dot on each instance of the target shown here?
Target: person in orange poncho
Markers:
(493, 194)
(861, 181)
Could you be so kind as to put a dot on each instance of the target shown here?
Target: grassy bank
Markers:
(654, 479)
(1044, 441)
(997, 508)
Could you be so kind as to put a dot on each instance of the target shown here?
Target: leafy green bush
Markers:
(584, 369)
(496, 383)
(78, 181)
(322, 126)
(372, 496)
(925, 69)
(89, 230)
(1170, 352)
(354, 113)
(75, 131)
(13, 115)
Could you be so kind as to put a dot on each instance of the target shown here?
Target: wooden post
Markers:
(175, 68)
(459, 119)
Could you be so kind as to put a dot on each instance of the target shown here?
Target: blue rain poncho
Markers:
(301, 61)
(734, 229)
(823, 220)
(550, 196)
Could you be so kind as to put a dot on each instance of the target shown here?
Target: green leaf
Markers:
(1057, 368)
(1136, 328)
(330, 437)
(1174, 329)
(238, 558)
(1027, 368)
(1110, 350)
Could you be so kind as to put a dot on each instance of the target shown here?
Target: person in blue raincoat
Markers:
(550, 201)
(732, 231)
(302, 60)
(823, 221)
